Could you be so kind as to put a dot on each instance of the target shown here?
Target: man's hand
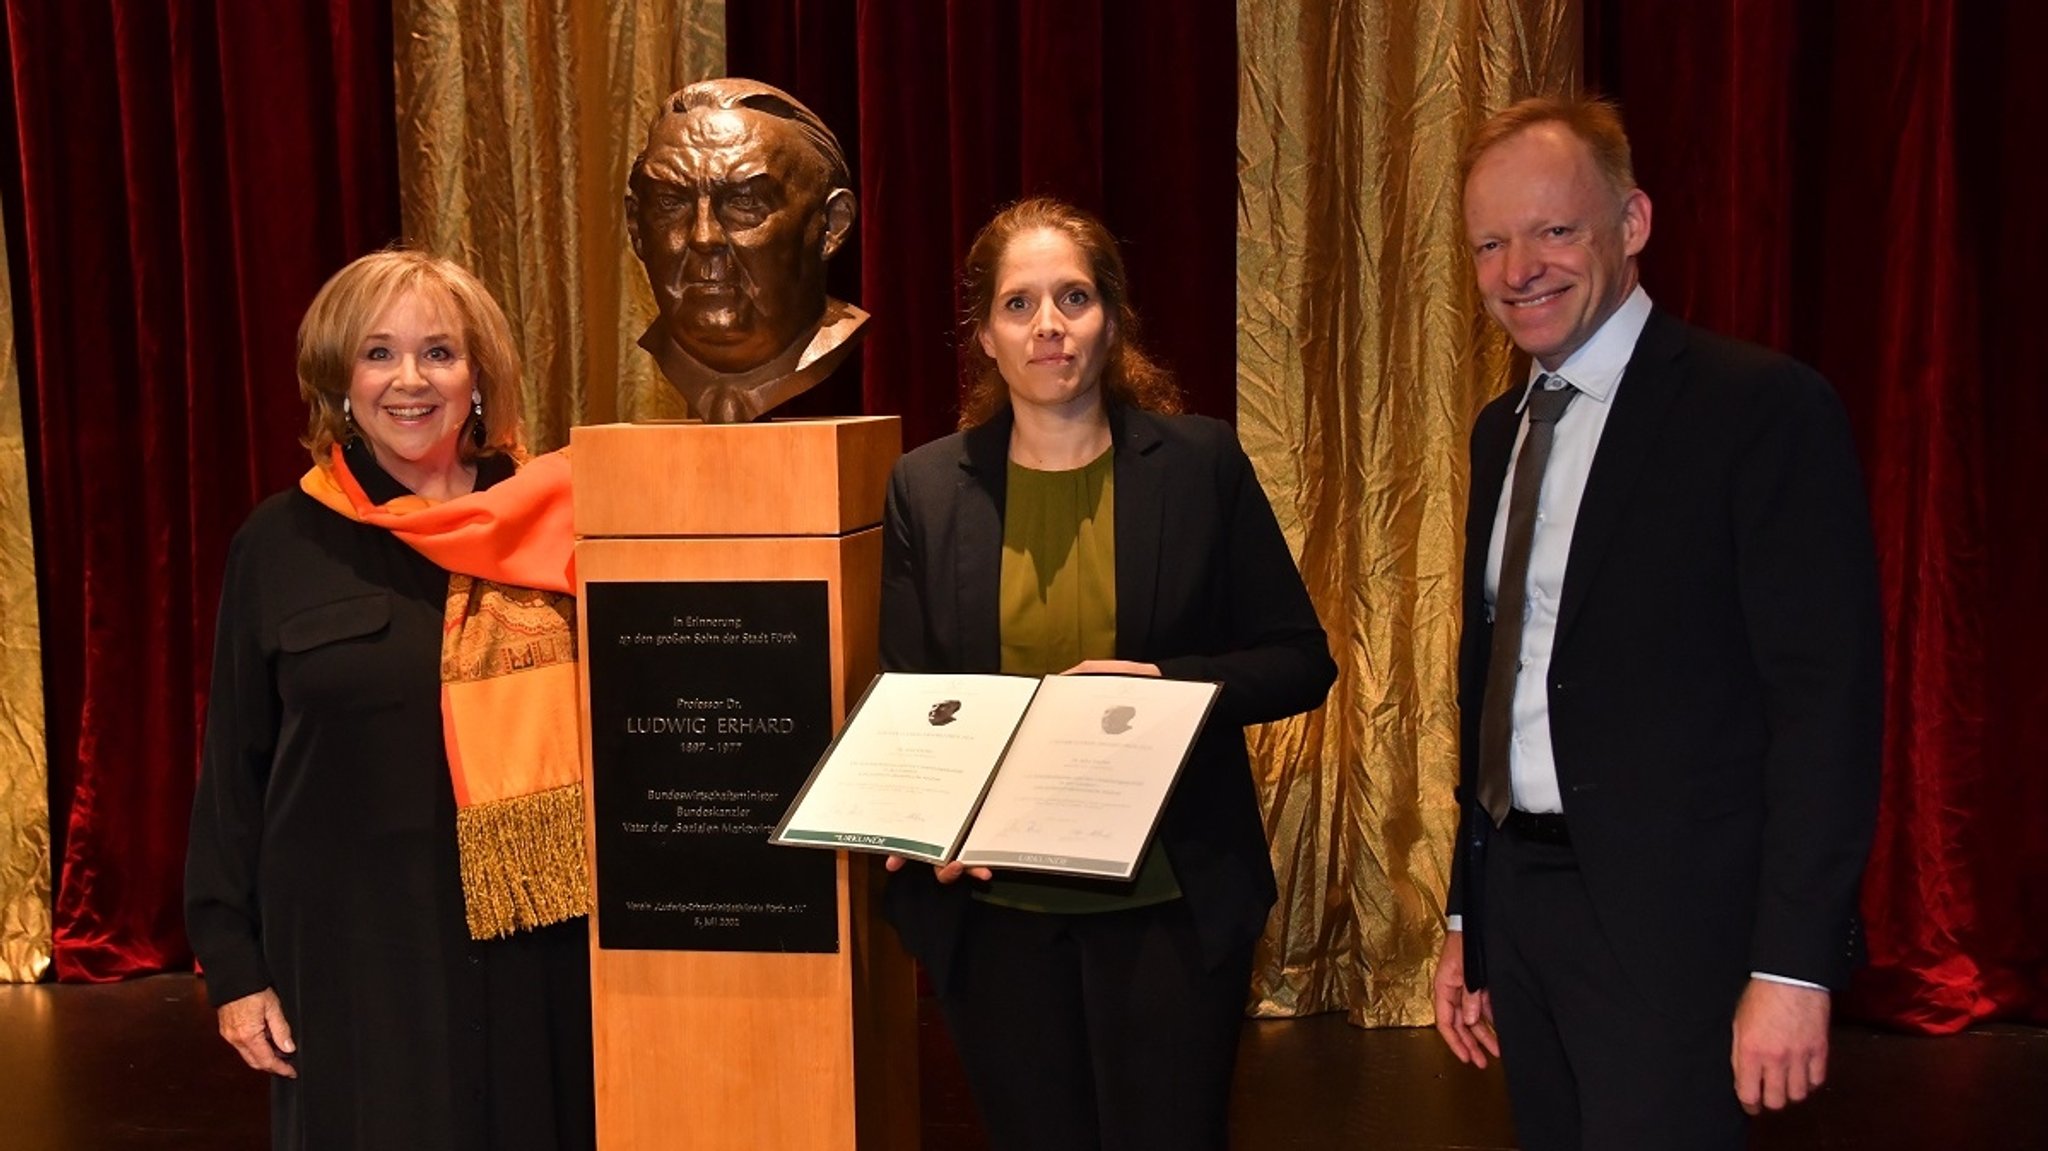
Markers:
(1112, 667)
(255, 1027)
(946, 873)
(1464, 1018)
(1781, 1044)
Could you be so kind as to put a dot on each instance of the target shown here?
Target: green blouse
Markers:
(1058, 608)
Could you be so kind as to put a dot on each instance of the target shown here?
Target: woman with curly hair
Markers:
(1077, 525)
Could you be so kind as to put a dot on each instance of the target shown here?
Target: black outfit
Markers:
(1206, 590)
(1715, 692)
(323, 863)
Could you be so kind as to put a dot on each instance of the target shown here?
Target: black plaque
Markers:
(709, 705)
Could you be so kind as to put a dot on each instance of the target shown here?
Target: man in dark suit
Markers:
(1671, 739)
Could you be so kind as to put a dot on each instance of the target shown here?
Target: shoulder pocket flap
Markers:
(332, 622)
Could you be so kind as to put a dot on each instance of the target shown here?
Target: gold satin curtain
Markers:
(516, 125)
(1362, 358)
(24, 780)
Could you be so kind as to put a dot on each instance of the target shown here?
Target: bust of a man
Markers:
(734, 206)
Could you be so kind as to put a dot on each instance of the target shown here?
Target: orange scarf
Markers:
(509, 696)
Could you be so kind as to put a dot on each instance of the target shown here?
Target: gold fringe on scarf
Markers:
(522, 862)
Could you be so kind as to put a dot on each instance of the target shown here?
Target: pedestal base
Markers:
(729, 1012)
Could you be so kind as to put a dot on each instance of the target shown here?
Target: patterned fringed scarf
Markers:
(509, 700)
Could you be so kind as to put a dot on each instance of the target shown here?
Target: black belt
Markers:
(1538, 827)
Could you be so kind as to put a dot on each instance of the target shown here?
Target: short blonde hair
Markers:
(1593, 119)
(350, 303)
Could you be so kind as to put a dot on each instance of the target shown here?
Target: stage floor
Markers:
(137, 1065)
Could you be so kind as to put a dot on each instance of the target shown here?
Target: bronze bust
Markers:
(735, 204)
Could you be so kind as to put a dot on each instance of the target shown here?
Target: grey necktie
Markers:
(1497, 714)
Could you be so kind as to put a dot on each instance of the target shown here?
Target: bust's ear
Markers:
(633, 223)
(839, 213)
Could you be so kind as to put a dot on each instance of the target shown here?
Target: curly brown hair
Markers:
(1130, 377)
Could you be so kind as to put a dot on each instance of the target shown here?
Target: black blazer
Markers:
(1205, 588)
(1716, 683)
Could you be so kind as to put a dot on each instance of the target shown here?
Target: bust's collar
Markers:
(795, 369)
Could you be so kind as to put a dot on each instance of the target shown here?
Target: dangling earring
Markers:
(348, 418)
(476, 416)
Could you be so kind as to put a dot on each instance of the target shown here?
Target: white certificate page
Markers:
(913, 761)
(1088, 774)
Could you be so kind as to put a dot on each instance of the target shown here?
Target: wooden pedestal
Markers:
(754, 1049)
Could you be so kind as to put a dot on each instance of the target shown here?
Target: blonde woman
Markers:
(366, 937)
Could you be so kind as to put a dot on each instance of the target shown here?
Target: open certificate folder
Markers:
(1064, 774)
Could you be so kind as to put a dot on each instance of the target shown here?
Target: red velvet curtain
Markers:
(1125, 107)
(1856, 184)
(181, 177)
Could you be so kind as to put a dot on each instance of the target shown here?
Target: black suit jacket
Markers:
(1205, 588)
(1716, 682)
